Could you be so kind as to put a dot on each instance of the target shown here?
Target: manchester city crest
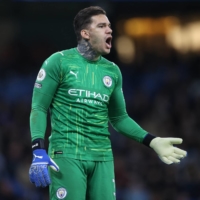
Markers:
(61, 193)
(107, 81)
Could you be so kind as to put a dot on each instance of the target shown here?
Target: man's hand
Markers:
(38, 172)
(166, 151)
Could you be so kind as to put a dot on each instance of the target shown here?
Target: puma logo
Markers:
(35, 156)
(75, 74)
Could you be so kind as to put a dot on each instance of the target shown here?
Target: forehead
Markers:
(99, 19)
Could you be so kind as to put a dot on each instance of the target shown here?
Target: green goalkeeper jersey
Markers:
(83, 96)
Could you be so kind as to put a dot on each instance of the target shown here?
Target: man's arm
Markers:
(119, 118)
(45, 87)
(127, 126)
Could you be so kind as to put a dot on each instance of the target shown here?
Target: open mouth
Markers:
(108, 42)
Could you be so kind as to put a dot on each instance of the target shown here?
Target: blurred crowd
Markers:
(162, 95)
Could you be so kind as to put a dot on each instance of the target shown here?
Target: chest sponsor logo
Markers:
(87, 96)
(107, 81)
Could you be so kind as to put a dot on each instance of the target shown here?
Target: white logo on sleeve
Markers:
(40, 157)
(61, 193)
(107, 81)
(35, 156)
(75, 74)
(41, 75)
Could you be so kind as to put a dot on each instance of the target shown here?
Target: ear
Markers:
(85, 34)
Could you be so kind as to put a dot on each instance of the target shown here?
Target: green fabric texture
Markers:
(83, 174)
(83, 96)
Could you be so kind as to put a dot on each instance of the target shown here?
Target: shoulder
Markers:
(52, 63)
(57, 56)
(111, 65)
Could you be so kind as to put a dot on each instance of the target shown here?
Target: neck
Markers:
(86, 50)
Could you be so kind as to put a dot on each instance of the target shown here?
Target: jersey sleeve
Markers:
(45, 86)
(118, 116)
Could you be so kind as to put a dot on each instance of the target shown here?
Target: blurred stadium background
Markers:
(157, 47)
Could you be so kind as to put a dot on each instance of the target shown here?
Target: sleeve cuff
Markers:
(148, 138)
(38, 144)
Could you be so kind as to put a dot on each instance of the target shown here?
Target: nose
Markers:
(108, 30)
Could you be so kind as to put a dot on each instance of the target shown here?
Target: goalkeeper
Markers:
(83, 91)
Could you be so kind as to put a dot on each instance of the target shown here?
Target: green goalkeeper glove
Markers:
(166, 151)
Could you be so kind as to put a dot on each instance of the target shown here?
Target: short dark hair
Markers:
(83, 19)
